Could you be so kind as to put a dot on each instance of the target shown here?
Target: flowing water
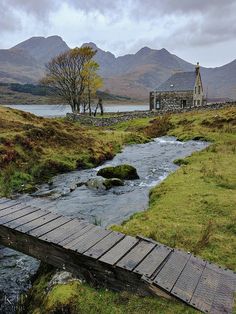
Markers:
(67, 195)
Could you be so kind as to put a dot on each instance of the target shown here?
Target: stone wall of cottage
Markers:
(175, 100)
(171, 100)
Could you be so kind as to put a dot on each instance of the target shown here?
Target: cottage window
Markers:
(157, 104)
(199, 89)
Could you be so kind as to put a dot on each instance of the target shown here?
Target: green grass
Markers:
(194, 208)
(76, 297)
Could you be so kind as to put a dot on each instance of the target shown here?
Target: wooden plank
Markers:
(220, 269)
(20, 213)
(83, 266)
(49, 226)
(31, 225)
(8, 204)
(4, 200)
(62, 231)
(26, 219)
(74, 236)
(224, 296)
(189, 278)
(204, 294)
(73, 229)
(153, 261)
(119, 250)
(104, 245)
(136, 255)
(89, 239)
(76, 239)
(11, 209)
(172, 269)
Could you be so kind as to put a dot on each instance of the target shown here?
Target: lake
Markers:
(62, 110)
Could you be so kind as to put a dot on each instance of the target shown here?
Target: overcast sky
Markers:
(203, 30)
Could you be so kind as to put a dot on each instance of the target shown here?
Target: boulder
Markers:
(61, 278)
(96, 184)
(101, 184)
(109, 183)
(123, 172)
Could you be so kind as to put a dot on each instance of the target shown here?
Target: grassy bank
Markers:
(193, 209)
(33, 149)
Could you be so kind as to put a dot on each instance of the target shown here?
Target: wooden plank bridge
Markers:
(115, 260)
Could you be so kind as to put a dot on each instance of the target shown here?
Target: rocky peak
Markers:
(42, 48)
(144, 51)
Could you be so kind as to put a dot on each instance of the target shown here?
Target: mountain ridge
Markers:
(132, 75)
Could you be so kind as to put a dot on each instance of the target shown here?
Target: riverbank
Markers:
(33, 149)
(192, 209)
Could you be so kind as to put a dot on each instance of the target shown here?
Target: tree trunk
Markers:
(100, 105)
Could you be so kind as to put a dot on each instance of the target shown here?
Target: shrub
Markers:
(180, 162)
(159, 126)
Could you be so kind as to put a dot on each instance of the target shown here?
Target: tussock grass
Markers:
(33, 149)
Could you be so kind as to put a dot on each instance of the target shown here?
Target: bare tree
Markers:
(67, 75)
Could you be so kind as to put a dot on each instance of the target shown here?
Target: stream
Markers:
(67, 195)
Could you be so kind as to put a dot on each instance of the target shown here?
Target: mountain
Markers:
(42, 49)
(132, 75)
(25, 62)
(220, 81)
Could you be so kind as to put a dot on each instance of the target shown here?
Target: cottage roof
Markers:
(182, 81)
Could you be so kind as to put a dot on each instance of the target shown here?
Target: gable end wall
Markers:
(198, 98)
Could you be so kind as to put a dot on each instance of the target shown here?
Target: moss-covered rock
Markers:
(123, 172)
(109, 183)
(101, 184)
(96, 184)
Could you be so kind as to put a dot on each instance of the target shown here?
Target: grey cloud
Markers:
(102, 6)
(183, 22)
(10, 11)
(6, 23)
(151, 8)
(208, 21)
(39, 8)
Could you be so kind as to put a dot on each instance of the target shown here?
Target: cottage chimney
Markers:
(197, 68)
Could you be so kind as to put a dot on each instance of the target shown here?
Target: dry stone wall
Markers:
(127, 116)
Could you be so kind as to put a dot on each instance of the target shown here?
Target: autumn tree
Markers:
(68, 75)
(92, 83)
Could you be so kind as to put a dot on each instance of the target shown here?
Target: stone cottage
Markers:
(181, 90)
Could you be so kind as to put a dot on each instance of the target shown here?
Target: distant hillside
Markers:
(15, 93)
(132, 75)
